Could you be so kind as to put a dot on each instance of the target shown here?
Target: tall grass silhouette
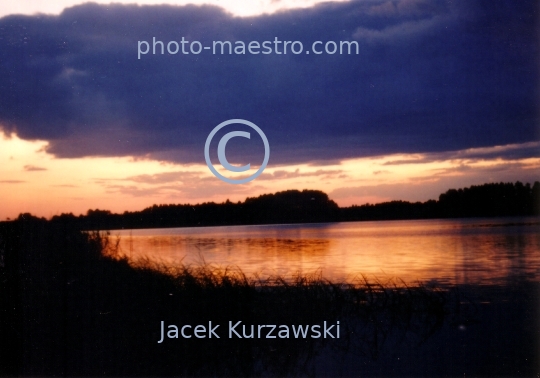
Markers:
(81, 307)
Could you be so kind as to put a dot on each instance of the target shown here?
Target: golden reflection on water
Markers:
(481, 251)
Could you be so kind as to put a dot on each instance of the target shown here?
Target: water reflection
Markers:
(479, 251)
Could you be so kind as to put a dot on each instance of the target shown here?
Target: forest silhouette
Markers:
(311, 206)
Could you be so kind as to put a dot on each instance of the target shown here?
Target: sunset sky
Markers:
(441, 95)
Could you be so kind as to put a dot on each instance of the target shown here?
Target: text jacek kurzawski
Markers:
(238, 330)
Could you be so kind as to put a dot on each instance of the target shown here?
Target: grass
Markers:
(81, 308)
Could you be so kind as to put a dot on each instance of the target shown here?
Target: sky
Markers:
(441, 94)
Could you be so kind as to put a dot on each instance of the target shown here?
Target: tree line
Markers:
(294, 206)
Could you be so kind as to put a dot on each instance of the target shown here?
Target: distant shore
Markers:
(313, 206)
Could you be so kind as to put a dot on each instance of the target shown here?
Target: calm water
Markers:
(479, 251)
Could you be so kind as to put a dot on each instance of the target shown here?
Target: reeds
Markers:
(372, 312)
(88, 310)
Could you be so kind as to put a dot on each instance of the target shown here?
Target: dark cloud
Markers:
(287, 174)
(507, 152)
(172, 185)
(33, 168)
(165, 177)
(189, 190)
(431, 76)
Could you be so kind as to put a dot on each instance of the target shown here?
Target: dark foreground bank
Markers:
(71, 306)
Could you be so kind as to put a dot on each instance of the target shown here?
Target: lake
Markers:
(490, 251)
(490, 266)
